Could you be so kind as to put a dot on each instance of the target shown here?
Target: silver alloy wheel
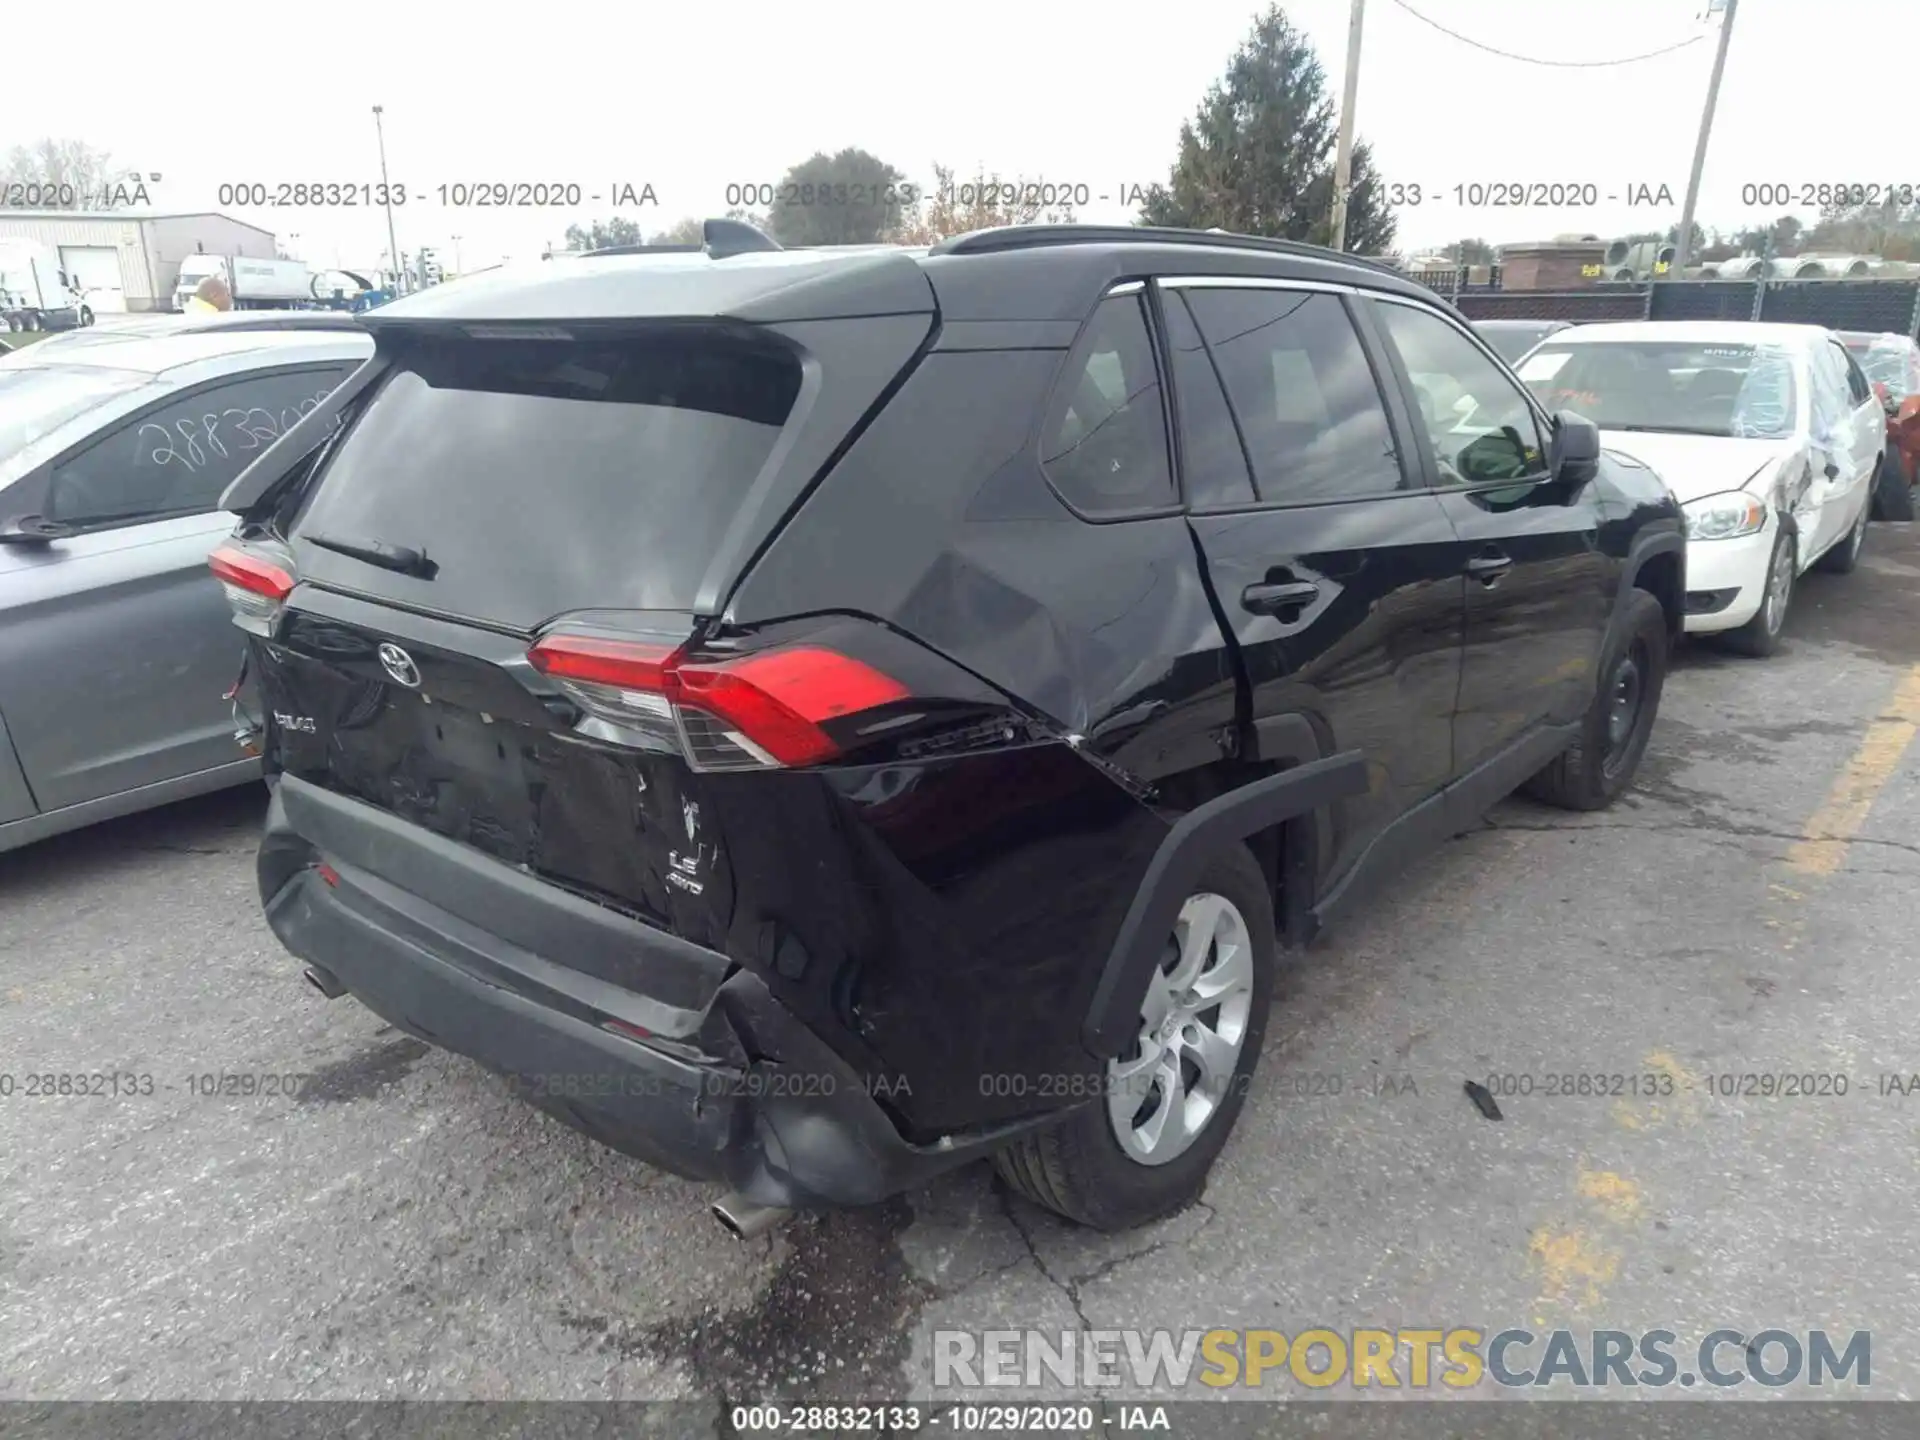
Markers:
(1163, 1092)
(1779, 587)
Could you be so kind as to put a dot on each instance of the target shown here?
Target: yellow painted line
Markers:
(1612, 1192)
(1840, 816)
(1572, 1266)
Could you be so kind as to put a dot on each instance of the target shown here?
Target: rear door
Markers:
(1339, 580)
(1841, 467)
(118, 644)
(1539, 588)
(1869, 418)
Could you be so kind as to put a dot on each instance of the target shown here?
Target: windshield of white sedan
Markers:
(36, 400)
(1678, 387)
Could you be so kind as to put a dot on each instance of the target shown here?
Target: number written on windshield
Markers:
(197, 440)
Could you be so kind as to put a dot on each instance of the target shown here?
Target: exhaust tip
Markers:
(325, 981)
(743, 1219)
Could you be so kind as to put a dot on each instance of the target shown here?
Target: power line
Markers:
(1534, 60)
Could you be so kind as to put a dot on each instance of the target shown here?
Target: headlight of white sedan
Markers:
(1725, 516)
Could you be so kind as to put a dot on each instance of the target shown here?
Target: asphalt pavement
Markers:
(402, 1227)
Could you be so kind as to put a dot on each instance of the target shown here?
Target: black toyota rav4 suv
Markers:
(816, 717)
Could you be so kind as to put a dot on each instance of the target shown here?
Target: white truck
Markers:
(253, 284)
(36, 293)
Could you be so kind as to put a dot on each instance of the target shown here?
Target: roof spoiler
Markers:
(718, 240)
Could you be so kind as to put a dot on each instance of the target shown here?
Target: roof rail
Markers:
(1027, 237)
(718, 240)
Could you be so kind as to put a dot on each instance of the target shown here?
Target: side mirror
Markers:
(33, 530)
(1573, 455)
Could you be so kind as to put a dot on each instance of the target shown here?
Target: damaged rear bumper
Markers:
(721, 1082)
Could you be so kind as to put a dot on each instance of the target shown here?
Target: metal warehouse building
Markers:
(134, 253)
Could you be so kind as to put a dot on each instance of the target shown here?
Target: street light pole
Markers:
(1343, 161)
(386, 193)
(1683, 242)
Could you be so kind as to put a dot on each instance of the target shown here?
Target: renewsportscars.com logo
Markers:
(1414, 1359)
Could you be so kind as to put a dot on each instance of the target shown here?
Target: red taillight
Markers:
(250, 572)
(255, 587)
(778, 698)
(758, 710)
(629, 664)
(327, 873)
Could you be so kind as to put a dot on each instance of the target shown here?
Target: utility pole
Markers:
(386, 193)
(1343, 160)
(1683, 241)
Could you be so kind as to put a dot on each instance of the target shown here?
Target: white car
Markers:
(1769, 436)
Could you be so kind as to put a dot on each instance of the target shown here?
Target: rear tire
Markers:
(1598, 767)
(1760, 636)
(1080, 1168)
(1892, 494)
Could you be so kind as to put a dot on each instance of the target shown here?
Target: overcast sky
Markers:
(690, 97)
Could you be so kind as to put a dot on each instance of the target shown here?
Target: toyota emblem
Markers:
(397, 663)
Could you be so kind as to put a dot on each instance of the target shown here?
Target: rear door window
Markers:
(547, 475)
(1104, 446)
(1857, 387)
(1213, 458)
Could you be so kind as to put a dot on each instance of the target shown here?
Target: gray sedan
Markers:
(115, 641)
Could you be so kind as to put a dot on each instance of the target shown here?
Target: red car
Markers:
(1892, 364)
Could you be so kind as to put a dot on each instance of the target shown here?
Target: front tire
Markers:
(1598, 767)
(1144, 1149)
(1760, 636)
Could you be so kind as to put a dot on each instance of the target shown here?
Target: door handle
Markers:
(1272, 599)
(1488, 569)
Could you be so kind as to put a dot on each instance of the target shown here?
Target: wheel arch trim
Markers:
(1646, 546)
(1194, 839)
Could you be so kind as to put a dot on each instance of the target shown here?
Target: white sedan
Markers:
(1769, 436)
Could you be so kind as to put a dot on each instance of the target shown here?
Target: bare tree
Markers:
(985, 202)
(689, 231)
(55, 174)
(603, 233)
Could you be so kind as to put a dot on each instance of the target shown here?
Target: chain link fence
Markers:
(1703, 300)
(1892, 305)
(1579, 306)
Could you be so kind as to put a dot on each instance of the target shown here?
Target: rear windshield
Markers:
(542, 476)
(1889, 362)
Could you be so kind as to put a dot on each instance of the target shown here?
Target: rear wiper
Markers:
(403, 559)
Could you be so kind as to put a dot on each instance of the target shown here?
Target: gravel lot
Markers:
(406, 1229)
